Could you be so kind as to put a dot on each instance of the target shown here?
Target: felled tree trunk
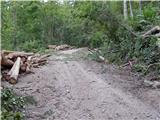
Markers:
(14, 72)
(29, 63)
(52, 46)
(18, 54)
(125, 9)
(157, 35)
(6, 52)
(153, 31)
(140, 6)
(5, 61)
(130, 5)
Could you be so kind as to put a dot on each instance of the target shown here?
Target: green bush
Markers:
(33, 46)
(12, 104)
(97, 39)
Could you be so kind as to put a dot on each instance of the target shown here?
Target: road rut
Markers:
(70, 89)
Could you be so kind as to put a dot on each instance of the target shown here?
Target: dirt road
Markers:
(69, 88)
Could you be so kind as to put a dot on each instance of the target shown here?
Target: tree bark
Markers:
(130, 5)
(5, 61)
(140, 7)
(52, 46)
(125, 9)
(155, 31)
(14, 72)
(18, 54)
(14, 20)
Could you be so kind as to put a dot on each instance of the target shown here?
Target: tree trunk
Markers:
(14, 19)
(125, 9)
(5, 61)
(18, 54)
(130, 5)
(14, 72)
(140, 6)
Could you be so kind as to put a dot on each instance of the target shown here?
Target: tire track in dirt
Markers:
(71, 90)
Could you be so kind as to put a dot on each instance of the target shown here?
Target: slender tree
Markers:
(125, 9)
(130, 5)
(140, 6)
(14, 19)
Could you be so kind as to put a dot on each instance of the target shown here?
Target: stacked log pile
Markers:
(19, 62)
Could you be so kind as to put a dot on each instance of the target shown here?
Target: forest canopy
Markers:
(113, 26)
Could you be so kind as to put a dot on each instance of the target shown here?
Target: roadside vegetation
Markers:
(13, 105)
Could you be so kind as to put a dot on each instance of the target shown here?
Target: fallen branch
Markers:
(157, 35)
(102, 59)
(128, 29)
(154, 31)
(130, 63)
(154, 64)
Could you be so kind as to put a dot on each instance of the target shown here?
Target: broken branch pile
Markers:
(19, 62)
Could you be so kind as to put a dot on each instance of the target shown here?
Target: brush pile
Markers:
(13, 63)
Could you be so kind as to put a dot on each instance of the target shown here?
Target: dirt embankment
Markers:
(75, 89)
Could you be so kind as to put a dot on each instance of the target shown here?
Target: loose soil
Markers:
(71, 87)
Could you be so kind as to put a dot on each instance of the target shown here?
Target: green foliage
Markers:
(94, 56)
(149, 12)
(139, 68)
(32, 25)
(97, 39)
(12, 104)
(30, 46)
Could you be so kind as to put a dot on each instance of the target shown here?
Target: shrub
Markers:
(12, 104)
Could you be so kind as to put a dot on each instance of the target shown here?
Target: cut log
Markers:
(41, 60)
(23, 67)
(153, 31)
(6, 62)
(42, 63)
(45, 56)
(14, 72)
(38, 60)
(35, 65)
(6, 52)
(29, 63)
(62, 47)
(18, 54)
(23, 59)
(20, 62)
(52, 46)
